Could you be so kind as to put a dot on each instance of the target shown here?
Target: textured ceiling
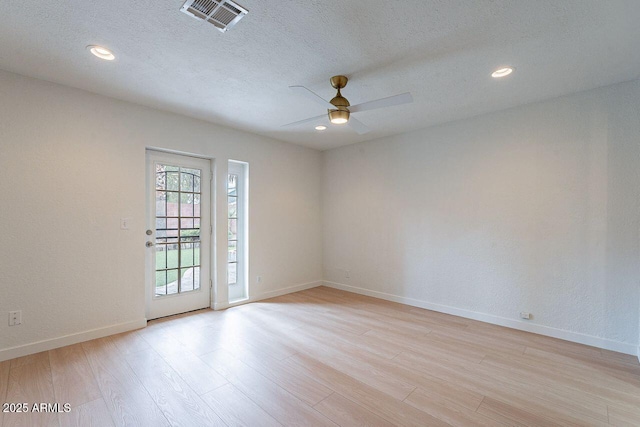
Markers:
(442, 51)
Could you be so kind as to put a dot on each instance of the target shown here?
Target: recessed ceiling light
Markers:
(321, 127)
(101, 52)
(502, 72)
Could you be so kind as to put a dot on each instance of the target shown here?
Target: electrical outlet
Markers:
(347, 274)
(258, 279)
(525, 315)
(15, 318)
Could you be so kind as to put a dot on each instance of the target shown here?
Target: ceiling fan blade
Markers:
(358, 126)
(403, 98)
(311, 119)
(312, 95)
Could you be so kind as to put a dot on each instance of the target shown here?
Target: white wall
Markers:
(536, 209)
(73, 163)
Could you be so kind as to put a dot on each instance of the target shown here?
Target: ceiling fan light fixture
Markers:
(338, 117)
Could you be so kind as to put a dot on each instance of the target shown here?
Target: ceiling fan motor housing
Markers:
(338, 82)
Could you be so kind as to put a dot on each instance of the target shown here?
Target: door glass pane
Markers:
(161, 256)
(232, 273)
(233, 246)
(172, 279)
(196, 253)
(187, 280)
(173, 181)
(186, 181)
(161, 178)
(177, 229)
(233, 207)
(186, 255)
(161, 282)
(172, 223)
(186, 205)
(196, 205)
(161, 204)
(172, 256)
(196, 184)
(232, 185)
(233, 229)
(161, 223)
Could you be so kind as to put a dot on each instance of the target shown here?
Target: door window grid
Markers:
(177, 229)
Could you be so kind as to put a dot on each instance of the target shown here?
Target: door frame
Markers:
(150, 217)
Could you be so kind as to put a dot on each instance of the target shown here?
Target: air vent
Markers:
(223, 14)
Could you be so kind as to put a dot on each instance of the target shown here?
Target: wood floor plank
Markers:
(304, 388)
(425, 346)
(376, 371)
(624, 417)
(379, 403)
(204, 340)
(320, 329)
(178, 402)
(130, 342)
(331, 321)
(127, 400)
(344, 412)
(393, 310)
(162, 341)
(236, 409)
(451, 392)
(90, 414)
(580, 402)
(495, 387)
(447, 410)
(276, 401)
(198, 375)
(73, 380)
(42, 357)
(342, 357)
(345, 309)
(30, 383)
(579, 381)
(624, 372)
(361, 342)
(628, 359)
(512, 416)
(481, 344)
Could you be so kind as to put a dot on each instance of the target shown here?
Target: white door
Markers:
(178, 242)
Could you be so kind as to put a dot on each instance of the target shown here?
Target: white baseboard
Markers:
(50, 344)
(497, 320)
(270, 294)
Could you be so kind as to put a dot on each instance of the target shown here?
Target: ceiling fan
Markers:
(339, 109)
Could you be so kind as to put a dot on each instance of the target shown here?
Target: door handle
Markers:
(149, 244)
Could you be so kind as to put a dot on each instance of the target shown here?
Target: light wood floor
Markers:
(325, 357)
